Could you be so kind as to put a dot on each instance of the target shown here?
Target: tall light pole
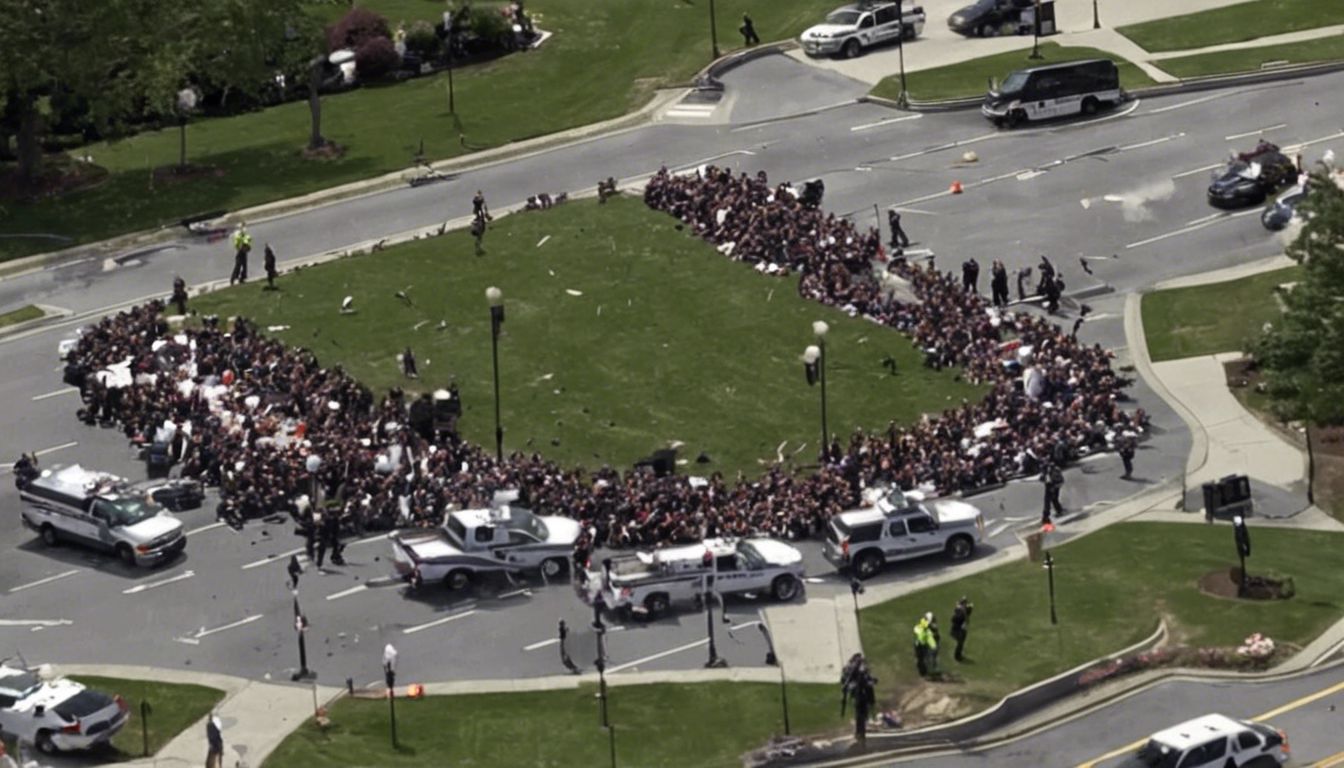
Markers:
(713, 30)
(1096, 20)
(772, 659)
(814, 365)
(390, 677)
(1036, 30)
(904, 99)
(715, 661)
(301, 628)
(496, 299)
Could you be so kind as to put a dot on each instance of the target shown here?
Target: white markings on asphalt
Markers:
(941, 147)
(1202, 219)
(1298, 147)
(692, 111)
(379, 583)
(1150, 142)
(57, 393)
(40, 582)
(1191, 103)
(673, 651)
(156, 584)
(348, 592)
(35, 623)
(284, 556)
(1194, 171)
(541, 644)
(205, 528)
(996, 530)
(438, 622)
(515, 593)
(203, 632)
(1192, 227)
(888, 121)
(1256, 132)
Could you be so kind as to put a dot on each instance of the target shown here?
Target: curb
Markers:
(1137, 342)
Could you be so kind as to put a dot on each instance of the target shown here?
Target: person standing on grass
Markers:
(478, 232)
(961, 619)
(269, 263)
(180, 295)
(748, 30)
(479, 209)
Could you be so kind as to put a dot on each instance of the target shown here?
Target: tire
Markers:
(1090, 106)
(553, 567)
(851, 49)
(656, 605)
(126, 554)
(44, 743)
(988, 30)
(868, 564)
(49, 536)
(457, 579)
(960, 547)
(1016, 118)
(785, 588)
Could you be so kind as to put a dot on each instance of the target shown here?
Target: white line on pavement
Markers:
(888, 121)
(205, 528)
(381, 583)
(40, 582)
(156, 584)
(57, 393)
(1256, 132)
(1190, 103)
(200, 633)
(1297, 147)
(1000, 528)
(515, 593)
(941, 147)
(1194, 171)
(438, 622)
(35, 622)
(657, 656)
(1193, 227)
(284, 556)
(1150, 142)
(541, 644)
(1202, 219)
(348, 592)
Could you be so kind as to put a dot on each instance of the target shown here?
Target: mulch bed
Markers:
(1226, 583)
(58, 176)
(179, 174)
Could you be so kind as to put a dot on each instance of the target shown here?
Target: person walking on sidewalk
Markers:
(214, 737)
(242, 245)
(1128, 445)
(961, 619)
(1053, 480)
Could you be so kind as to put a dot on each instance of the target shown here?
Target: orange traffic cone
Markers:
(956, 188)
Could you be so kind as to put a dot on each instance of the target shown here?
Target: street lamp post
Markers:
(1096, 20)
(600, 634)
(1050, 578)
(856, 589)
(772, 659)
(904, 99)
(390, 677)
(301, 628)
(713, 30)
(496, 299)
(1243, 538)
(814, 365)
(715, 661)
(1036, 31)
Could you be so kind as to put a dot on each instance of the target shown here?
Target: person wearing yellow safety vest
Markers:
(926, 645)
(242, 245)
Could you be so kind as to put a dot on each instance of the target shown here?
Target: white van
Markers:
(1056, 90)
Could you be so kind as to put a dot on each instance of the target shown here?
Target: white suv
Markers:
(56, 715)
(851, 28)
(1214, 741)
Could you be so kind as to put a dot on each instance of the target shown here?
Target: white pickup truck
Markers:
(851, 28)
(901, 526)
(648, 583)
(472, 542)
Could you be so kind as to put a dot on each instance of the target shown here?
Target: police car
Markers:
(57, 715)
(1214, 741)
(851, 28)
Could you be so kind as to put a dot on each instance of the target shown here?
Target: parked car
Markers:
(851, 28)
(1281, 211)
(1251, 177)
(901, 526)
(987, 18)
(1214, 741)
(57, 715)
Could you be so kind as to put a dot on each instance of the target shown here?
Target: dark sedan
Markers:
(1251, 181)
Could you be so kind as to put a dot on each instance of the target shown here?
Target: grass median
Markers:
(607, 57)
(711, 724)
(21, 315)
(1233, 24)
(1200, 319)
(1112, 587)
(174, 708)
(623, 333)
(1255, 59)
(970, 78)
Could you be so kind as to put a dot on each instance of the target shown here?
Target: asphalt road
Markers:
(1045, 190)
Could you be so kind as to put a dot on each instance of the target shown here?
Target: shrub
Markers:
(376, 57)
(490, 27)
(356, 28)
(422, 40)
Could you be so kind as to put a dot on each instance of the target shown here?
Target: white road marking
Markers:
(57, 393)
(205, 528)
(438, 622)
(657, 656)
(379, 583)
(692, 111)
(1000, 528)
(1305, 144)
(200, 633)
(887, 121)
(348, 592)
(35, 623)
(1256, 132)
(941, 147)
(1194, 171)
(1018, 519)
(284, 556)
(1150, 142)
(1191, 102)
(1193, 227)
(40, 582)
(541, 644)
(56, 448)
(156, 584)
(515, 593)
(1202, 219)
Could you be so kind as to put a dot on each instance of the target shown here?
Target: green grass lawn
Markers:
(173, 709)
(1186, 322)
(656, 725)
(1112, 587)
(1252, 59)
(20, 315)
(970, 78)
(668, 341)
(606, 59)
(1233, 24)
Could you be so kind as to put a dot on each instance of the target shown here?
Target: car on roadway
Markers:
(987, 18)
(1251, 177)
(901, 526)
(56, 715)
(1283, 210)
(1214, 741)
(851, 28)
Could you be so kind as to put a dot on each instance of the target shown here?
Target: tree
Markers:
(1303, 354)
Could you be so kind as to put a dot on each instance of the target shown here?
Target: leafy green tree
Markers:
(1304, 352)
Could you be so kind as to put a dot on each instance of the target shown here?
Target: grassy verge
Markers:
(1233, 24)
(969, 78)
(1253, 59)
(667, 340)
(606, 58)
(20, 315)
(1186, 322)
(173, 709)
(656, 725)
(1112, 587)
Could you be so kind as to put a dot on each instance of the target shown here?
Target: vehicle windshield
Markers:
(1157, 755)
(1013, 82)
(750, 557)
(844, 18)
(130, 511)
(21, 685)
(523, 520)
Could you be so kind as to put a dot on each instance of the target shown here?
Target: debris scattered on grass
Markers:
(573, 292)
(543, 240)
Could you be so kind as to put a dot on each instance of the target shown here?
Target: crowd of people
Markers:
(278, 433)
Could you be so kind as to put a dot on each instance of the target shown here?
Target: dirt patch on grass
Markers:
(1226, 583)
(58, 176)
(329, 151)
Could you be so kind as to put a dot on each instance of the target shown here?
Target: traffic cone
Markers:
(956, 188)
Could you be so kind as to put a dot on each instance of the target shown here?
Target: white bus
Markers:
(1056, 90)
